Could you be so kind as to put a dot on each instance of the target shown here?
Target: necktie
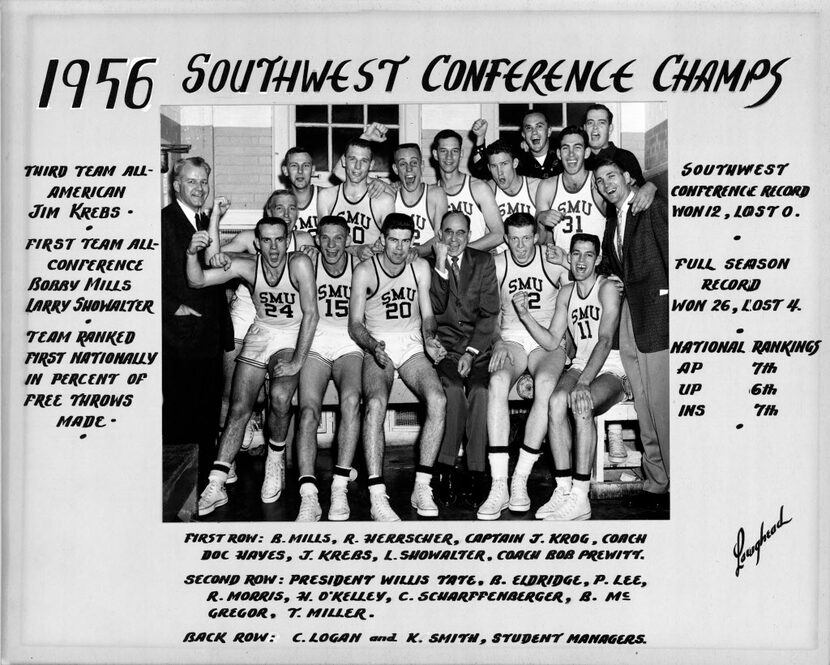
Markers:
(620, 232)
(198, 221)
(456, 272)
(619, 244)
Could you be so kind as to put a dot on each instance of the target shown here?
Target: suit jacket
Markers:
(528, 166)
(209, 334)
(467, 313)
(644, 270)
(626, 159)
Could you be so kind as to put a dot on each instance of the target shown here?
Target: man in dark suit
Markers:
(465, 301)
(196, 326)
(636, 249)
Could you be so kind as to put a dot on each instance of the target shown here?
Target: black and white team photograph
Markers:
(415, 311)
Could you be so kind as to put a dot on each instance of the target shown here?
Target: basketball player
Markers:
(425, 204)
(390, 317)
(298, 169)
(351, 200)
(570, 202)
(466, 194)
(281, 204)
(278, 341)
(333, 355)
(589, 309)
(537, 159)
(522, 268)
(513, 192)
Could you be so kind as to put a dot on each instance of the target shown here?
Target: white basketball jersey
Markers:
(362, 223)
(419, 212)
(581, 213)
(584, 315)
(538, 278)
(463, 201)
(521, 201)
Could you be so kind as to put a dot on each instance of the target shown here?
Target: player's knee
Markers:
(558, 404)
(499, 384)
(350, 402)
(238, 410)
(310, 416)
(280, 403)
(375, 405)
(436, 400)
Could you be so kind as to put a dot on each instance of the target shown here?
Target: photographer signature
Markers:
(742, 555)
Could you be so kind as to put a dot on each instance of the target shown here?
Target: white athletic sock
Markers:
(498, 465)
(421, 477)
(565, 482)
(219, 476)
(308, 488)
(339, 481)
(280, 444)
(375, 490)
(583, 486)
(526, 461)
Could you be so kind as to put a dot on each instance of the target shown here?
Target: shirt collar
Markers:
(189, 212)
(623, 211)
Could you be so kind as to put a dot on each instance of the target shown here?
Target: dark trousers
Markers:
(466, 412)
(192, 399)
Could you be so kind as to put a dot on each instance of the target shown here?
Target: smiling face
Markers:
(448, 155)
(583, 259)
(283, 206)
(396, 245)
(598, 127)
(192, 186)
(536, 132)
(613, 184)
(503, 169)
(572, 153)
(408, 166)
(332, 240)
(358, 162)
(299, 167)
(455, 233)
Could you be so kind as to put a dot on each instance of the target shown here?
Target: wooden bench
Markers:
(622, 412)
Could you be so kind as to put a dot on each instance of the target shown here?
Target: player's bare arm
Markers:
(243, 267)
(301, 273)
(548, 338)
(580, 398)
(429, 328)
(486, 201)
(363, 280)
(546, 217)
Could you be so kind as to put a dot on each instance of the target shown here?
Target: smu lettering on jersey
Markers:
(419, 212)
(307, 217)
(521, 201)
(363, 227)
(393, 306)
(333, 293)
(582, 215)
(243, 291)
(538, 278)
(277, 305)
(463, 201)
(584, 315)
